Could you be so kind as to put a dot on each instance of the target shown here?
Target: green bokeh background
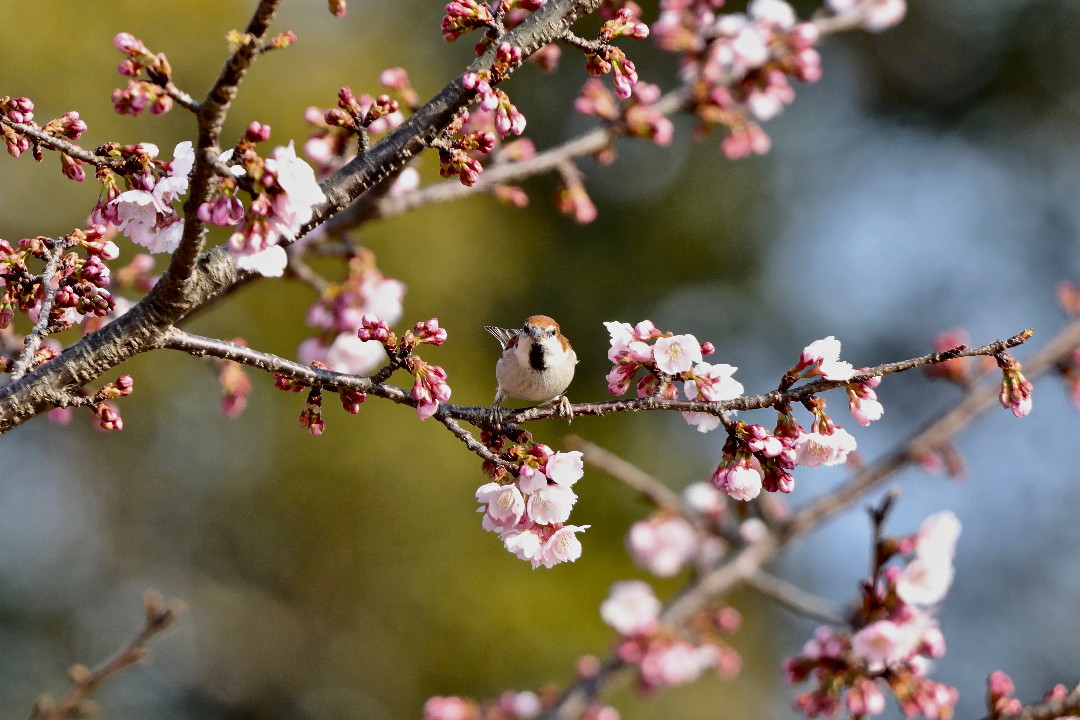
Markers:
(346, 576)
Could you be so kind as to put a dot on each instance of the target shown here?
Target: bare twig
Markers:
(75, 702)
(651, 488)
(794, 597)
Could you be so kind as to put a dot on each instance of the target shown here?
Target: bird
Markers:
(537, 363)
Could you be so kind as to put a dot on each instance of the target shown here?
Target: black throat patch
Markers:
(536, 357)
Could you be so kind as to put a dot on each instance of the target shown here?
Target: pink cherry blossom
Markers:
(676, 354)
(551, 504)
(882, 643)
(937, 535)
(662, 544)
(815, 448)
(825, 355)
(562, 546)
(631, 607)
(565, 468)
(741, 479)
(526, 544)
(504, 503)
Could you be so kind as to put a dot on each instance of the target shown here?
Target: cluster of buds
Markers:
(340, 309)
(141, 94)
(636, 117)
(892, 635)
(506, 118)
(661, 657)
(68, 126)
(80, 282)
(365, 113)
(311, 416)
(754, 460)
(430, 388)
(464, 16)
(107, 417)
(458, 156)
(493, 18)
(330, 145)
(529, 511)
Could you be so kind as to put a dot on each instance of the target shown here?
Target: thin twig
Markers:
(648, 486)
(795, 598)
(75, 702)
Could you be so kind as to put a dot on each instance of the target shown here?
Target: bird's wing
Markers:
(503, 335)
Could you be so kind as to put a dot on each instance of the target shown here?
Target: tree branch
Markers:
(75, 703)
(41, 328)
(746, 562)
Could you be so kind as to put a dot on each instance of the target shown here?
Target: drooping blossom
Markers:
(147, 215)
(818, 448)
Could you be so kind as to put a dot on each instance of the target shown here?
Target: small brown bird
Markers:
(537, 363)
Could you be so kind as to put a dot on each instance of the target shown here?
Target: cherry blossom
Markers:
(631, 607)
(676, 354)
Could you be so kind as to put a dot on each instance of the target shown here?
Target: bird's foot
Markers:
(565, 409)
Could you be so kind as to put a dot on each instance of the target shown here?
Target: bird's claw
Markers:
(564, 408)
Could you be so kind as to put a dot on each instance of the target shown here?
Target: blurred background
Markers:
(930, 181)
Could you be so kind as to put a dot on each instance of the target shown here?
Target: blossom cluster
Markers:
(662, 657)
(80, 282)
(508, 705)
(529, 511)
(339, 311)
(146, 213)
(739, 66)
(670, 357)
(284, 193)
(892, 638)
